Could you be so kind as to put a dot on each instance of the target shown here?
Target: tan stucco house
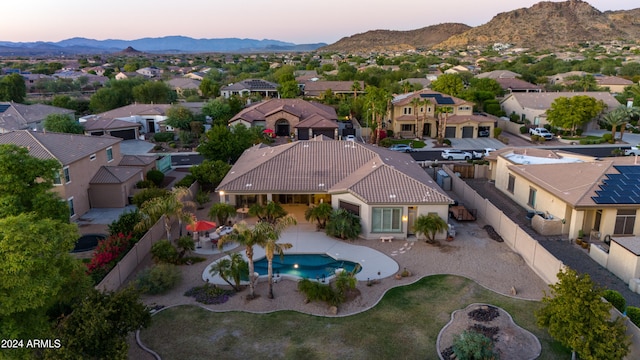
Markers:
(91, 174)
(386, 189)
(406, 120)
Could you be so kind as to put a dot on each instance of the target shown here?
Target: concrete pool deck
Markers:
(375, 264)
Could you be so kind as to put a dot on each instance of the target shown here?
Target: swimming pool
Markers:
(306, 266)
(88, 242)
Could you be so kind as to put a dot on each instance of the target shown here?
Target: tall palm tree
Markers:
(614, 119)
(356, 87)
(429, 225)
(272, 246)
(320, 213)
(626, 113)
(425, 105)
(247, 237)
(415, 102)
(173, 206)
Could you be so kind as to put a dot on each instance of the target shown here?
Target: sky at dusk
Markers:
(294, 21)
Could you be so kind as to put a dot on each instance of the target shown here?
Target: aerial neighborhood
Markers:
(475, 187)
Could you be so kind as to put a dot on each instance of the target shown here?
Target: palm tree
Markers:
(270, 212)
(614, 119)
(626, 113)
(230, 269)
(247, 237)
(319, 213)
(221, 212)
(425, 104)
(171, 206)
(429, 225)
(344, 225)
(356, 87)
(415, 102)
(272, 246)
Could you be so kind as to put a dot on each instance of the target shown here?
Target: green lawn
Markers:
(416, 144)
(405, 324)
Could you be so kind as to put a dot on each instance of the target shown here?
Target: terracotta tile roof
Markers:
(604, 80)
(516, 84)
(322, 165)
(460, 119)
(317, 122)
(115, 174)
(66, 148)
(297, 107)
(137, 160)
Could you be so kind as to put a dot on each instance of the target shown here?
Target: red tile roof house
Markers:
(386, 189)
(94, 174)
(303, 119)
(461, 123)
(15, 116)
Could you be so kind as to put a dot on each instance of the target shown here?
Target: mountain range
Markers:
(545, 25)
(167, 44)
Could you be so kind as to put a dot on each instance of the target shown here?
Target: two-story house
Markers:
(419, 113)
(90, 175)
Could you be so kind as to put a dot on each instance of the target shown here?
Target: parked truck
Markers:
(542, 132)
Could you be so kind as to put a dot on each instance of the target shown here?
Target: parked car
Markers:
(633, 151)
(482, 153)
(541, 132)
(350, 138)
(456, 155)
(401, 147)
(484, 133)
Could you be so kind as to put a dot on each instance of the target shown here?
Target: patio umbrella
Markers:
(201, 225)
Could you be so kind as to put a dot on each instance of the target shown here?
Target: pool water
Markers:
(306, 266)
(88, 242)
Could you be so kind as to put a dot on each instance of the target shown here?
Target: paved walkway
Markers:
(570, 254)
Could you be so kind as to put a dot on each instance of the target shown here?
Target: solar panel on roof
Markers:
(4, 107)
(622, 188)
(439, 98)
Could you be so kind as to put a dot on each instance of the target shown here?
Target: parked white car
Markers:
(350, 138)
(482, 153)
(541, 132)
(456, 155)
(633, 151)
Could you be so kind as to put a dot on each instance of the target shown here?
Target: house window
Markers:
(407, 111)
(532, 198)
(407, 127)
(512, 183)
(625, 221)
(386, 220)
(56, 178)
(67, 175)
(92, 157)
(464, 108)
(598, 220)
(72, 210)
(109, 154)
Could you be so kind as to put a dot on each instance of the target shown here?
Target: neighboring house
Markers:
(577, 193)
(510, 85)
(148, 116)
(303, 119)
(77, 75)
(533, 106)
(15, 116)
(126, 75)
(98, 126)
(181, 84)
(460, 123)
(498, 74)
(149, 72)
(195, 75)
(423, 82)
(615, 84)
(386, 189)
(318, 89)
(88, 163)
(31, 80)
(262, 88)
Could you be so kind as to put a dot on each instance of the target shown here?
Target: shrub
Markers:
(202, 197)
(148, 194)
(144, 184)
(471, 345)
(535, 138)
(156, 177)
(389, 133)
(386, 142)
(158, 279)
(209, 294)
(616, 299)
(446, 141)
(157, 147)
(523, 129)
(186, 181)
(164, 252)
(163, 136)
(126, 225)
(107, 254)
(607, 137)
(172, 145)
(314, 290)
(634, 315)
(497, 132)
(579, 132)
